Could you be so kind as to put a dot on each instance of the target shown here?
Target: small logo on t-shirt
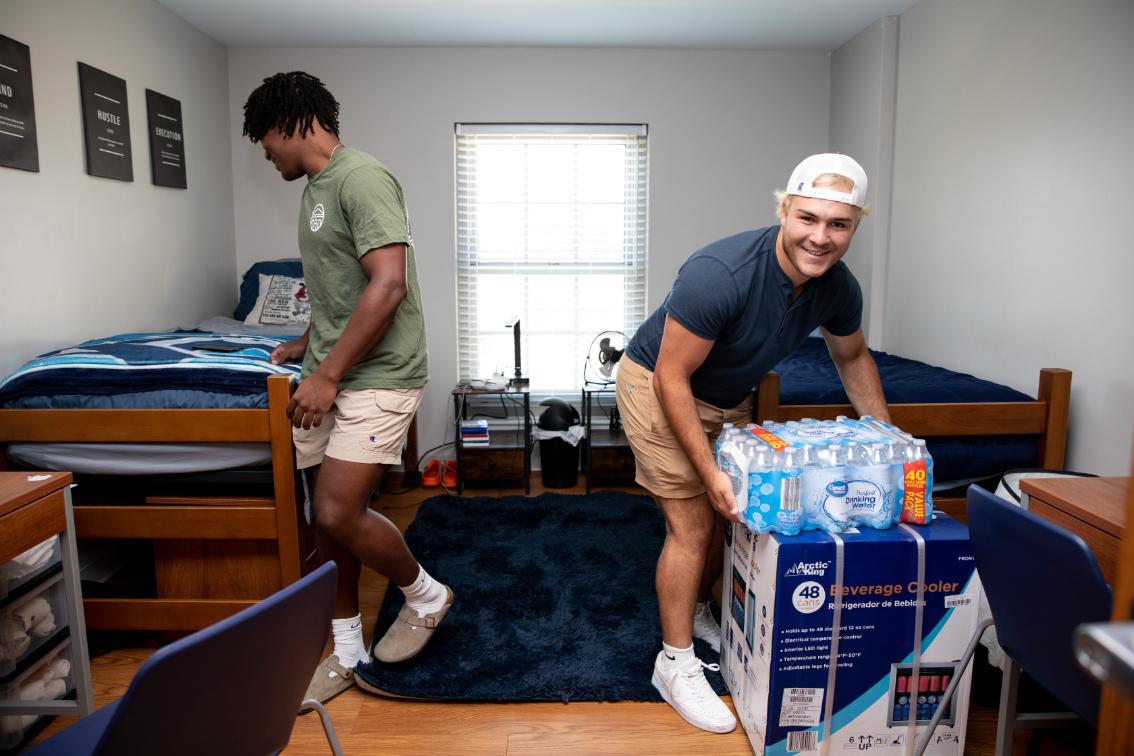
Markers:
(317, 216)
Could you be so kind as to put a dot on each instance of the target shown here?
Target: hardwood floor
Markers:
(367, 724)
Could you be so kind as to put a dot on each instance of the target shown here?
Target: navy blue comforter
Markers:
(809, 377)
(149, 370)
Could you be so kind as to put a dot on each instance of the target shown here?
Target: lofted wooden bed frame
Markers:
(1045, 417)
(213, 555)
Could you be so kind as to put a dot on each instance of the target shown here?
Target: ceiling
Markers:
(712, 24)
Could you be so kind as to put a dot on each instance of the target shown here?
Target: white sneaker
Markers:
(706, 627)
(684, 687)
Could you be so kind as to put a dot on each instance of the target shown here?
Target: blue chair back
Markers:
(234, 687)
(1041, 582)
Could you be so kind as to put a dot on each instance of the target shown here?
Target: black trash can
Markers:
(559, 460)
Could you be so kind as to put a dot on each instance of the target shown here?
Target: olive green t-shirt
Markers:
(353, 206)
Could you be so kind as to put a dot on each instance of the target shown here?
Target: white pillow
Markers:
(282, 300)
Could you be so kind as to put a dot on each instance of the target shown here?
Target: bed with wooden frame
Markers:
(214, 555)
(223, 516)
(1045, 418)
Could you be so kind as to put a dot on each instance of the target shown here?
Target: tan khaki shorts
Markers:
(363, 425)
(662, 467)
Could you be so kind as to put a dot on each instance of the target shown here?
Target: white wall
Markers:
(81, 256)
(1011, 245)
(726, 128)
(863, 89)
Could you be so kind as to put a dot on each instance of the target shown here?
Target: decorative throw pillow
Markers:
(282, 300)
(250, 281)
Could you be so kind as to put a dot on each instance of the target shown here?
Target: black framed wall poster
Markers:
(106, 124)
(19, 147)
(167, 145)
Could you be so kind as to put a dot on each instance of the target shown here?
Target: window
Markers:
(551, 228)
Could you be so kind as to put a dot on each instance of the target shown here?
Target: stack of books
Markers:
(474, 432)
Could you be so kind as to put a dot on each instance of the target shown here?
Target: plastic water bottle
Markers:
(824, 489)
(733, 461)
(727, 430)
(789, 513)
(760, 488)
(870, 497)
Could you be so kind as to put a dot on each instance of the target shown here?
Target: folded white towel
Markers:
(29, 561)
(33, 690)
(41, 687)
(54, 689)
(43, 628)
(57, 669)
(33, 612)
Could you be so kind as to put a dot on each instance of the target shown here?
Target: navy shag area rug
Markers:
(554, 601)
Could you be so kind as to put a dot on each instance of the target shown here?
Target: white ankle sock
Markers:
(348, 641)
(676, 655)
(425, 595)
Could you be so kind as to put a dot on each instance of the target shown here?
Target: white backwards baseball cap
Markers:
(803, 178)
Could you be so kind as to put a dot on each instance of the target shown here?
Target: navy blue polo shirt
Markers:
(734, 292)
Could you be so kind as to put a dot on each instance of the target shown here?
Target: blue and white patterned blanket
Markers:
(149, 370)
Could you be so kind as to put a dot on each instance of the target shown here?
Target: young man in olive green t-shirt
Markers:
(365, 363)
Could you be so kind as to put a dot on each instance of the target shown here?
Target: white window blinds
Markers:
(551, 228)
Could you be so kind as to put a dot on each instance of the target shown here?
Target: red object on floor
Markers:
(431, 475)
(450, 478)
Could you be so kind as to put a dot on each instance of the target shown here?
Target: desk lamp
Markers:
(518, 379)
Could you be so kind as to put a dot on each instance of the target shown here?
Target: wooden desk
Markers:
(1092, 508)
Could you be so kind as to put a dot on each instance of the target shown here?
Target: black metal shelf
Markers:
(500, 439)
(601, 438)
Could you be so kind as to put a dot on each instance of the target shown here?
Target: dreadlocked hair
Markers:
(287, 100)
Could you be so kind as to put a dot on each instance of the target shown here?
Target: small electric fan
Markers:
(606, 349)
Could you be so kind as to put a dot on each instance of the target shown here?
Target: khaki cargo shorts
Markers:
(662, 467)
(364, 425)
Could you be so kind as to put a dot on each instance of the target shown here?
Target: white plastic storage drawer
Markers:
(30, 621)
(29, 565)
(50, 678)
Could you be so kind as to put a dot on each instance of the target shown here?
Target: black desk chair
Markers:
(234, 687)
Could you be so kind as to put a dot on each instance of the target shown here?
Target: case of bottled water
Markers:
(831, 475)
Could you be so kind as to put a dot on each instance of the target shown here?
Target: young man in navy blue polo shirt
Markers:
(738, 307)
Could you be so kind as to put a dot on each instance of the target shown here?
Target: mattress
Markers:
(140, 459)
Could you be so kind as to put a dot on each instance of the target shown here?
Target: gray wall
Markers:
(83, 257)
(1007, 251)
(1011, 247)
(726, 128)
(863, 87)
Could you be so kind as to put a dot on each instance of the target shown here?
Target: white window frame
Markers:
(574, 266)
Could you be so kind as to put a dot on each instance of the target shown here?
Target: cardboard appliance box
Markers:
(897, 607)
